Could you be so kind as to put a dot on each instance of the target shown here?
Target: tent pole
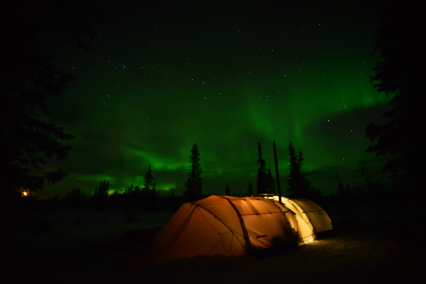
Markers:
(277, 173)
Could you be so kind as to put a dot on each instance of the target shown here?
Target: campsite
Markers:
(94, 247)
(211, 142)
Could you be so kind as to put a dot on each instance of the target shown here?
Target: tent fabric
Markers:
(311, 219)
(224, 225)
(234, 226)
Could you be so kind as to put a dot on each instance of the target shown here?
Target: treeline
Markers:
(146, 198)
(135, 198)
(131, 202)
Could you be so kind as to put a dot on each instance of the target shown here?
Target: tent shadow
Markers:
(278, 247)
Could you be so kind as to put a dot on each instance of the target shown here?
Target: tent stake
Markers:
(277, 173)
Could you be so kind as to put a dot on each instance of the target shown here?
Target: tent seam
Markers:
(243, 226)
(229, 228)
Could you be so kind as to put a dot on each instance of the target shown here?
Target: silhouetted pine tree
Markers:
(102, 189)
(74, 199)
(262, 173)
(299, 186)
(28, 78)
(100, 195)
(294, 176)
(128, 189)
(265, 181)
(149, 179)
(194, 184)
(397, 75)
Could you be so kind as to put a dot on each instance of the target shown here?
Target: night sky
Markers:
(225, 75)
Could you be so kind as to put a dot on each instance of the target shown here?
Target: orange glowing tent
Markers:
(224, 225)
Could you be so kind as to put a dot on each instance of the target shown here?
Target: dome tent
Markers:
(225, 225)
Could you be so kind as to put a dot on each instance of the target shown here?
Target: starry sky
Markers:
(225, 75)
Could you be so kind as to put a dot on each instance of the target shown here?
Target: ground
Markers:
(92, 248)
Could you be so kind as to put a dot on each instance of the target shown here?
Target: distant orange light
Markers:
(25, 193)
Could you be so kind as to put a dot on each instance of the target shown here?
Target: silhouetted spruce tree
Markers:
(102, 189)
(262, 173)
(250, 190)
(265, 181)
(27, 80)
(100, 195)
(294, 176)
(227, 191)
(299, 186)
(149, 179)
(194, 184)
(129, 189)
(397, 75)
(74, 199)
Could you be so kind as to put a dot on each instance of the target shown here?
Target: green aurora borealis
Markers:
(161, 77)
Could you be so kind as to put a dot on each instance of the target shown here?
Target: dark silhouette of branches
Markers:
(27, 80)
(397, 75)
(194, 184)
(265, 181)
(299, 185)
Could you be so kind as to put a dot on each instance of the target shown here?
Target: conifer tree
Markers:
(102, 189)
(194, 184)
(262, 176)
(28, 79)
(293, 178)
(397, 75)
(265, 181)
(149, 179)
(74, 198)
(299, 186)
(100, 195)
(129, 189)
